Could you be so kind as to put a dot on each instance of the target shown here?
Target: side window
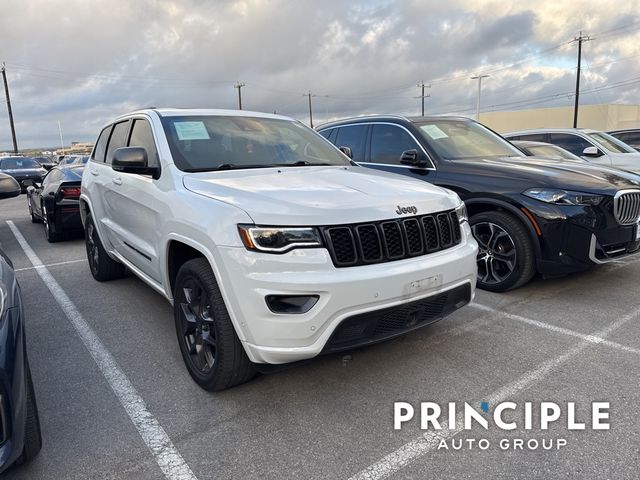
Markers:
(117, 140)
(142, 136)
(101, 145)
(573, 143)
(327, 133)
(353, 137)
(51, 177)
(388, 142)
(533, 137)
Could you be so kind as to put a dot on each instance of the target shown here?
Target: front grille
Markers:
(371, 327)
(626, 208)
(390, 240)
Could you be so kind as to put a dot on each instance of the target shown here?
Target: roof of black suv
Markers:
(387, 118)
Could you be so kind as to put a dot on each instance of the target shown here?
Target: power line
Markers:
(422, 96)
(239, 86)
(6, 92)
(581, 38)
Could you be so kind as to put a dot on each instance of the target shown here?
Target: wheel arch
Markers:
(486, 204)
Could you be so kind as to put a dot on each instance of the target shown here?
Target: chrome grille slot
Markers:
(626, 207)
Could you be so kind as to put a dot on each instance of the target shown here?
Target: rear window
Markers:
(17, 163)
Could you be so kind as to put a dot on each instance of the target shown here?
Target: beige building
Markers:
(599, 117)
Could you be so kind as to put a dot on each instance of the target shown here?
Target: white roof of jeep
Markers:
(181, 112)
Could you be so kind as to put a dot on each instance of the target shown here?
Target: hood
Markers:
(543, 172)
(626, 161)
(320, 195)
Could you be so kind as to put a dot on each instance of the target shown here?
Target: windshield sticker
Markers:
(433, 131)
(191, 131)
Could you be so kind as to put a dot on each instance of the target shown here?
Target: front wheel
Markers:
(49, 229)
(506, 258)
(208, 342)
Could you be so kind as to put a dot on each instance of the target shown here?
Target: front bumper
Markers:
(343, 293)
(575, 238)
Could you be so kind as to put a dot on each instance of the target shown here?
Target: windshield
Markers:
(16, 163)
(201, 143)
(460, 139)
(551, 151)
(610, 143)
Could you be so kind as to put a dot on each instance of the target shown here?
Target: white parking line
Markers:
(165, 453)
(51, 265)
(553, 328)
(430, 440)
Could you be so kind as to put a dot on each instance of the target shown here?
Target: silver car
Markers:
(592, 145)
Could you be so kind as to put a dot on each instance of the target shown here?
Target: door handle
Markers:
(94, 172)
(117, 181)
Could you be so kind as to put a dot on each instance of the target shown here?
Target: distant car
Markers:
(81, 160)
(630, 136)
(22, 169)
(20, 438)
(46, 162)
(546, 150)
(54, 202)
(592, 145)
(67, 159)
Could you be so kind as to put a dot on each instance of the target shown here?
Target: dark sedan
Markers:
(22, 169)
(529, 215)
(20, 438)
(55, 202)
(47, 162)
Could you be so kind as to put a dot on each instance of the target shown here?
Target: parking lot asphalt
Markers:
(573, 339)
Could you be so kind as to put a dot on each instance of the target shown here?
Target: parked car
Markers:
(630, 136)
(271, 245)
(592, 145)
(67, 159)
(546, 150)
(528, 214)
(20, 438)
(22, 169)
(46, 162)
(55, 201)
(80, 160)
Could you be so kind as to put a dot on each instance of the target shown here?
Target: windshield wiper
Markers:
(300, 163)
(225, 166)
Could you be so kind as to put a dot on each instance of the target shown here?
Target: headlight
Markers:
(461, 212)
(279, 239)
(563, 197)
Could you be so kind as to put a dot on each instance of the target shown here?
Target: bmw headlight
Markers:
(563, 197)
(461, 212)
(279, 239)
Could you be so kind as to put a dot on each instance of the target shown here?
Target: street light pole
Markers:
(479, 78)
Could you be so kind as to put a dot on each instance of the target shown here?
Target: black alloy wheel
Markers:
(210, 347)
(197, 327)
(506, 258)
(102, 266)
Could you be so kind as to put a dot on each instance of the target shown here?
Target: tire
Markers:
(506, 257)
(102, 266)
(32, 434)
(50, 231)
(208, 342)
(34, 219)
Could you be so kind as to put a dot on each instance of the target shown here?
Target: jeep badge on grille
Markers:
(409, 209)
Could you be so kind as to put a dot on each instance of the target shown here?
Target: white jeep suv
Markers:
(270, 244)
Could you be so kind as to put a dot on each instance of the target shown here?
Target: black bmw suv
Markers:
(529, 215)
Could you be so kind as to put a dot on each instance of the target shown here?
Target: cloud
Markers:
(82, 63)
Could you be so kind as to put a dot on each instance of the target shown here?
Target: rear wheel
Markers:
(210, 347)
(506, 258)
(34, 219)
(49, 228)
(102, 266)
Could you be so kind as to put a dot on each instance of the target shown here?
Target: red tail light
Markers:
(70, 192)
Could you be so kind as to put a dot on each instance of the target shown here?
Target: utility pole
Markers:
(423, 96)
(309, 95)
(6, 91)
(61, 139)
(479, 78)
(581, 38)
(239, 86)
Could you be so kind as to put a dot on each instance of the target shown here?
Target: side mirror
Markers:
(592, 152)
(413, 158)
(133, 160)
(9, 187)
(347, 151)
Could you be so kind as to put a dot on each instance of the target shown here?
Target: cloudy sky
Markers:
(82, 62)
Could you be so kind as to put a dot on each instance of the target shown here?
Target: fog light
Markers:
(291, 303)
